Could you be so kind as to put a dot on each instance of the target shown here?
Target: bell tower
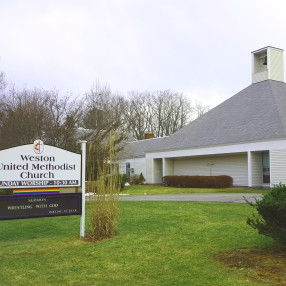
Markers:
(267, 63)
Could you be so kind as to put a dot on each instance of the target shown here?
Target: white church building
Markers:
(243, 137)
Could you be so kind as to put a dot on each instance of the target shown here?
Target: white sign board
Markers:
(38, 165)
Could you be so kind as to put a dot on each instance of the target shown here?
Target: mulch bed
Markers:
(265, 264)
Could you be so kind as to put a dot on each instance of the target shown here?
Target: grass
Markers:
(157, 189)
(159, 243)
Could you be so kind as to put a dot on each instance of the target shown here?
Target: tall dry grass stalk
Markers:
(105, 189)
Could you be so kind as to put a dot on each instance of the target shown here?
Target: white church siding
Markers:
(232, 165)
(149, 171)
(122, 167)
(277, 167)
(157, 171)
(137, 166)
(276, 70)
(256, 163)
(168, 167)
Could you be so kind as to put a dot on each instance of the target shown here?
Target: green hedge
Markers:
(198, 181)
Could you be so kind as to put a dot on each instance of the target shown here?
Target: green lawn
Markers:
(157, 189)
(159, 243)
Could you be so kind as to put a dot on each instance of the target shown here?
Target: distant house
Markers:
(243, 137)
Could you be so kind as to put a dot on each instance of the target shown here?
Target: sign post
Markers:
(83, 160)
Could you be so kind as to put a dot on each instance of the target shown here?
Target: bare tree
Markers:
(200, 109)
(104, 119)
(64, 117)
(138, 114)
(171, 111)
(103, 110)
(3, 82)
(23, 117)
(31, 114)
(161, 112)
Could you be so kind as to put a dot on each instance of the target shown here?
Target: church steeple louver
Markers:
(267, 64)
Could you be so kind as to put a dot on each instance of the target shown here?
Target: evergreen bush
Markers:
(271, 217)
(142, 179)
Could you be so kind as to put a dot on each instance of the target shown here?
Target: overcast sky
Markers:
(199, 47)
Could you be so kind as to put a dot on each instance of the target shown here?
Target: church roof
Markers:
(138, 149)
(256, 113)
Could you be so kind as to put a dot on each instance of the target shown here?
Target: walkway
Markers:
(209, 197)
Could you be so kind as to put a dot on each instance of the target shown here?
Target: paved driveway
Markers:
(216, 197)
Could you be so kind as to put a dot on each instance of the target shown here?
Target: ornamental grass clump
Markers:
(105, 189)
(271, 218)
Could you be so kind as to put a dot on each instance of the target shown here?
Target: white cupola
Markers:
(267, 64)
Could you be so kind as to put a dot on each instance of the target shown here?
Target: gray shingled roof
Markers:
(137, 149)
(256, 113)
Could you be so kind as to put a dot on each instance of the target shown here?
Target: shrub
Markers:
(124, 179)
(198, 181)
(137, 179)
(134, 180)
(271, 217)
